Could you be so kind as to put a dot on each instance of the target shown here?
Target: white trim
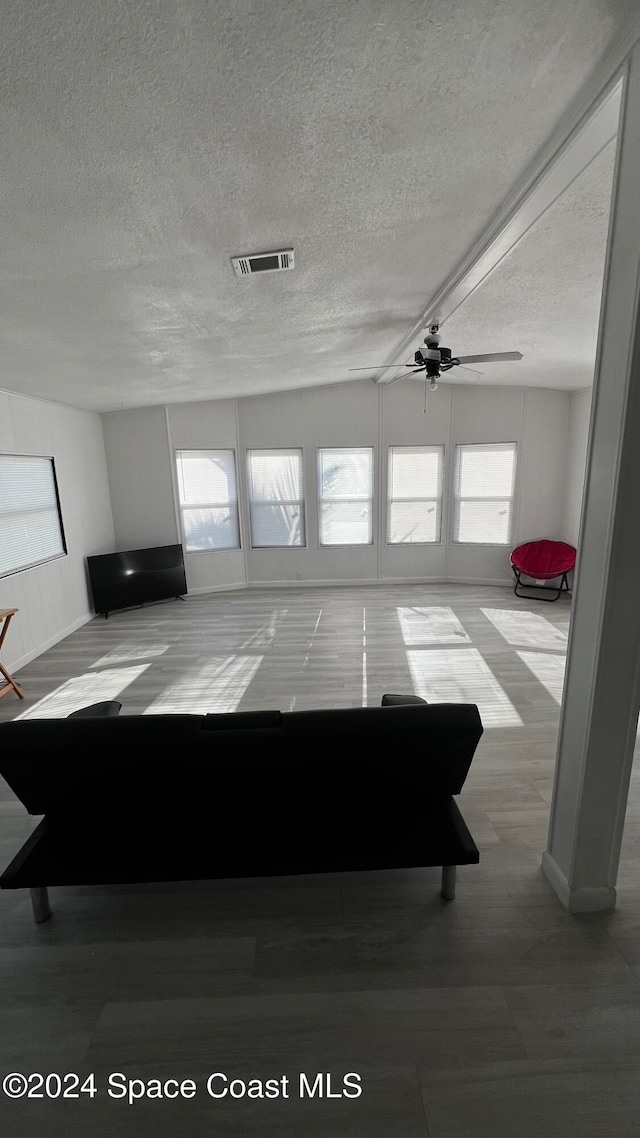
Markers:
(345, 582)
(383, 488)
(242, 488)
(174, 481)
(521, 455)
(215, 588)
(586, 900)
(449, 475)
(54, 402)
(22, 661)
(502, 581)
(340, 582)
(599, 711)
(439, 580)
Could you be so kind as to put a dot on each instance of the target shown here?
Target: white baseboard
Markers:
(344, 582)
(22, 661)
(215, 589)
(319, 583)
(583, 900)
(501, 581)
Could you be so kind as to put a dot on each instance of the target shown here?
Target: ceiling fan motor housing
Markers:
(424, 354)
(429, 358)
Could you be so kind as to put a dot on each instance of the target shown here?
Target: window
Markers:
(414, 494)
(276, 498)
(483, 495)
(208, 499)
(30, 521)
(345, 477)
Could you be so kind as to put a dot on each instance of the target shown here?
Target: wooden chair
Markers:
(11, 685)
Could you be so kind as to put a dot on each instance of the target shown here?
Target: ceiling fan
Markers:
(433, 360)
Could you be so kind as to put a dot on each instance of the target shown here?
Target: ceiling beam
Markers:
(590, 124)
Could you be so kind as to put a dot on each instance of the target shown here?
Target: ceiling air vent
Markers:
(263, 262)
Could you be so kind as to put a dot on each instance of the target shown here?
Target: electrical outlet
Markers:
(298, 576)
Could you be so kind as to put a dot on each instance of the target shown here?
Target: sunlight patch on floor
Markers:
(264, 636)
(529, 629)
(433, 625)
(218, 685)
(305, 662)
(81, 691)
(548, 669)
(462, 676)
(130, 650)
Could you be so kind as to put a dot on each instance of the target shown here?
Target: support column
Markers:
(602, 688)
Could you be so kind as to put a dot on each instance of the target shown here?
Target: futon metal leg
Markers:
(448, 890)
(40, 902)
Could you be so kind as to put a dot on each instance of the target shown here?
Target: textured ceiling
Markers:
(543, 299)
(144, 143)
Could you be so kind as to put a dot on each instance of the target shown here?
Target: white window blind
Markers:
(276, 498)
(414, 494)
(483, 493)
(345, 477)
(208, 495)
(30, 522)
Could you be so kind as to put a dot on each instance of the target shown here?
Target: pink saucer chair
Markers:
(543, 561)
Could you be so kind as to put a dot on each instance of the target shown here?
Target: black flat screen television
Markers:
(120, 580)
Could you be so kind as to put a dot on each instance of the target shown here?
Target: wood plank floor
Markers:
(496, 1015)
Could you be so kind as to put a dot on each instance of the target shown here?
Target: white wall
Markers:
(140, 478)
(141, 446)
(54, 598)
(542, 465)
(578, 438)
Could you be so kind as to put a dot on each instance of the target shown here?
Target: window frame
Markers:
(56, 556)
(208, 505)
(441, 449)
(371, 500)
(301, 502)
(456, 497)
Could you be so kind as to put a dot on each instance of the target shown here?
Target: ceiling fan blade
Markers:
(491, 357)
(378, 367)
(394, 379)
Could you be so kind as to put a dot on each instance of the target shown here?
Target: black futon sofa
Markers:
(143, 798)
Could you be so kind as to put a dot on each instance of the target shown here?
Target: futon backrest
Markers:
(195, 763)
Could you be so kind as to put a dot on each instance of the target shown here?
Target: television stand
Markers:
(144, 605)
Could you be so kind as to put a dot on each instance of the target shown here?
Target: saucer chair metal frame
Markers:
(543, 561)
